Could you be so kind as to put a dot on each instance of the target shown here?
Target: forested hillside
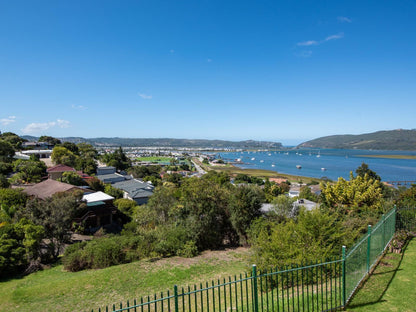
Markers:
(382, 140)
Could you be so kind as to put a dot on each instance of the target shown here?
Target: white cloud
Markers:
(145, 96)
(63, 123)
(37, 127)
(80, 107)
(8, 121)
(315, 43)
(308, 43)
(343, 19)
(334, 37)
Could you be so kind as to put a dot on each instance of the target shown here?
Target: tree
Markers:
(306, 193)
(244, 206)
(55, 214)
(353, 196)
(203, 209)
(283, 206)
(29, 170)
(19, 245)
(112, 191)
(70, 147)
(48, 139)
(126, 206)
(73, 178)
(363, 170)
(6, 151)
(4, 183)
(13, 139)
(117, 159)
(87, 150)
(13, 198)
(96, 184)
(60, 155)
(86, 165)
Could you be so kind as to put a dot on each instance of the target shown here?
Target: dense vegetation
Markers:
(381, 140)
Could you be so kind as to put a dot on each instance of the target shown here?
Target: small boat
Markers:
(299, 166)
(253, 158)
(323, 169)
(261, 160)
(273, 165)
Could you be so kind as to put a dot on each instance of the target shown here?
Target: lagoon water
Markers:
(337, 163)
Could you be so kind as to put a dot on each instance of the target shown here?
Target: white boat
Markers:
(273, 165)
(253, 158)
(261, 160)
(323, 169)
(298, 166)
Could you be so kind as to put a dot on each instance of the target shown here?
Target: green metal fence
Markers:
(321, 286)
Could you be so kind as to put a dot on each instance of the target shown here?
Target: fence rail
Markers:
(320, 286)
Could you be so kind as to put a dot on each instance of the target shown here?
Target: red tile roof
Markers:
(60, 168)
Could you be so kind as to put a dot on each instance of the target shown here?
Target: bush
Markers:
(188, 250)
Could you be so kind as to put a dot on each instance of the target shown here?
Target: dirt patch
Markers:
(208, 256)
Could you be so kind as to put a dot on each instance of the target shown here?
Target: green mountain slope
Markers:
(381, 140)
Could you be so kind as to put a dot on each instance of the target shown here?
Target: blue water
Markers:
(338, 163)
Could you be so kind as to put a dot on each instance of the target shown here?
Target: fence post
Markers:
(368, 248)
(175, 293)
(255, 294)
(344, 291)
(383, 218)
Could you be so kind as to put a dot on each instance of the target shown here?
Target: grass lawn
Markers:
(154, 159)
(57, 290)
(392, 285)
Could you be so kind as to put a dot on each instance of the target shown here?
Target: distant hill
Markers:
(166, 142)
(382, 140)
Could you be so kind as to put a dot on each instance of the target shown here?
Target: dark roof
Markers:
(60, 168)
(48, 187)
(135, 188)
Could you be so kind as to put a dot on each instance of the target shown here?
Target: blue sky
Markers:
(285, 71)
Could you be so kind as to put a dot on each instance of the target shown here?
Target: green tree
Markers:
(4, 183)
(73, 178)
(13, 139)
(96, 184)
(306, 193)
(19, 245)
(29, 170)
(13, 198)
(6, 151)
(203, 208)
(48, 139)
(126, 206)
(60, 155)
(112, 191)
(70, 147)
(283, 206)
(244, 206)
(364, 169)
(55, 214)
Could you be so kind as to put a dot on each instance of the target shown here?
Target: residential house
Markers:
(136, 190)
(99, 212)
(55, 172)
(133, 189)
(49, 187)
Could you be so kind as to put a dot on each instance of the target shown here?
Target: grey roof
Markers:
(106, 178)
(135, 188)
